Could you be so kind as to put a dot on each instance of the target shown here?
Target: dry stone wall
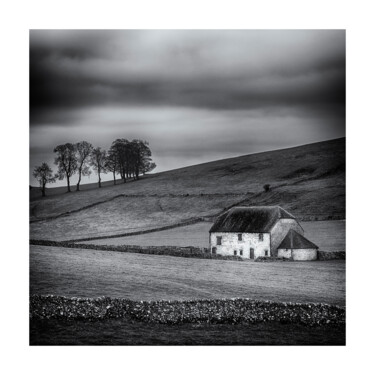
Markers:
(331, 255)
(230, 311)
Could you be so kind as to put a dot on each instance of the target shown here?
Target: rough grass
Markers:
(128, 214)
(126, 332)
(328, 235)
(190, 235)
(85, 273)
(176, 195)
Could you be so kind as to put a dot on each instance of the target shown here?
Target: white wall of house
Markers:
(231, 243)
(284, 253)
(305, 254)
(280, 230)
(298, 254)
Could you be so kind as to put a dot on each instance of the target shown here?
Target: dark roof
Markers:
(294, 240)
(257, 219)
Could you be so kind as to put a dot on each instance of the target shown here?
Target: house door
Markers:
(251, 253)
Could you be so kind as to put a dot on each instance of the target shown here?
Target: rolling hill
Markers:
(308, 180)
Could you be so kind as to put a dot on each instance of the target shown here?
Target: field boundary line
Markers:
(140, 232)
(48, 218)
(177, 251)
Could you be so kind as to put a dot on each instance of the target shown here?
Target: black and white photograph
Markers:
(187, 187)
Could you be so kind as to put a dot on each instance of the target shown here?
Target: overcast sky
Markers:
(196, 96)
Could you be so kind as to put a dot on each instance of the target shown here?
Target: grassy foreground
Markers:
(87, 273)
(128, 332)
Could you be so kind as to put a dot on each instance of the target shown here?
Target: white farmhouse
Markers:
(251, 232)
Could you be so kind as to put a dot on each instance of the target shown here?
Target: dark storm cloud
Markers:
(199, 69)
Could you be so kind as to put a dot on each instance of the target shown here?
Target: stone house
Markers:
(251, 232)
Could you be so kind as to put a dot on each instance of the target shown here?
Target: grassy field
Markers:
(190, 235)
(86, 273)
(123, 332)
(308, 180)
(328, 235)
(127, 214)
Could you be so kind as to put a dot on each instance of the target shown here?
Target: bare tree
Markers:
(66, 161)
(44, 175)
(83, 150)
(122, 150)
(112, 164)
(139, 152)
(98, 161)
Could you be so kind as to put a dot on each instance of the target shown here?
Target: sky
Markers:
(194, 95)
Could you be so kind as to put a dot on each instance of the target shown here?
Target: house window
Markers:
(218, 240)
(235, 252)
(266, 253)
(240, 237)
(260, 236)
(241, 252)
(214, 250)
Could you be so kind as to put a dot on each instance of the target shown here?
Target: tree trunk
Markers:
(43, 190)
(79, 180)
(100, 183)
(114, 178)
(68, 179)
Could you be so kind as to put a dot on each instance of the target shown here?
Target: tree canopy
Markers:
(66, 161)
(132, 157)
(98, 162)
(83, 152)
(127, 158)
(44, 175)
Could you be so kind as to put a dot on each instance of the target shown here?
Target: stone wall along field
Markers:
(331, 255)
(230, 311)
(186, 252)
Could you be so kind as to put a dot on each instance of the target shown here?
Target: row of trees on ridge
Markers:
(126, 158)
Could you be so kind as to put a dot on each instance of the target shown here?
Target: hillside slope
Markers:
(308, 180)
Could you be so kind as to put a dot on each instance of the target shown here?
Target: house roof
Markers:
(294, 240)
(256, 219)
